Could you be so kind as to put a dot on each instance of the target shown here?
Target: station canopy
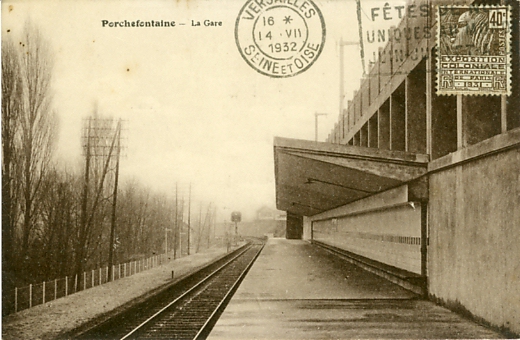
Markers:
(313, 177)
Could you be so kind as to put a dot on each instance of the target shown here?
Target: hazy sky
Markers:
(194, 110)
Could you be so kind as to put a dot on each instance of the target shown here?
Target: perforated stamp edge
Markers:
(507, 63)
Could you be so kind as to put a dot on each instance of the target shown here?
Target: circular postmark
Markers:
(280, 38)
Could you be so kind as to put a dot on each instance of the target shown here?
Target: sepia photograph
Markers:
(260, 169)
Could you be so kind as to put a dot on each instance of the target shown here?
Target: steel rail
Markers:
(189, 291)
(230, 291)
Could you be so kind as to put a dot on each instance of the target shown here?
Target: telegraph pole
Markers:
(200, 228)
(176, 226)
(182, 225)
(114, 203)
(209, 222)
(189, 219)
(101, 141)
(214, 223)
(166, 230)
(84, 201)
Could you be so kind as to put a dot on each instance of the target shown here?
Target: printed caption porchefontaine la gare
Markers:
(159, 23)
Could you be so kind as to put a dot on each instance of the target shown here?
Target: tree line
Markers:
(56, 221)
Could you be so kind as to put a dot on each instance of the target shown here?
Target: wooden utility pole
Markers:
(214, 223)
(209, 222)
(84, 203)
(99, 141)
(181, 224)
(114, 204)
(189, 219)
(199, 236)
(176, 228)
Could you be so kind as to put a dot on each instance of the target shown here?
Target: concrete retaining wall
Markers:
(307, 228)
(384, 227)
(474, 223)
(391, 235)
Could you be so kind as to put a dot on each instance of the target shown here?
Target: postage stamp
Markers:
(280, 39)
(474, 50)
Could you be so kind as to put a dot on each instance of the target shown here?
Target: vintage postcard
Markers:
(360, 155)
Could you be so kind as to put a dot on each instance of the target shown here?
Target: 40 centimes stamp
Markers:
(280, 38)
(473, 50)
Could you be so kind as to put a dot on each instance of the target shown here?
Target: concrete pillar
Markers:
(424, 239)
(350, 113)
(443, 122)
(372, 131)
(429, 95)
(294, 229)
(461, 138)
(416, 109)
(364, 96)
(397, 119)
(358, 106)
(385, 66)
(384, 125)
(345, 125)
(373, 83)
(357, 138)
(364, 135)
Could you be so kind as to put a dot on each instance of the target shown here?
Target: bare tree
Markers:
(59, 217)
(11, 111)
(37, 126)
(203, 227)
(143, 217)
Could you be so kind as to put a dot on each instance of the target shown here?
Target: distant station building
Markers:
(265, 213)
(272, 222)
(417, 185)
(267, 222)
(268, 214)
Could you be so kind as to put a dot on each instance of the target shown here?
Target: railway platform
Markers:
(57, 318)
(296, 290)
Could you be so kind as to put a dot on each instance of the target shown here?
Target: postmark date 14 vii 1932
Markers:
(280, 39)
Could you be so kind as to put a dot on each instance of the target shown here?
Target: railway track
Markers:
(187, 310)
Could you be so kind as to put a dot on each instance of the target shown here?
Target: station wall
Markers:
(384, 227)
(474, 176)
(474, 220)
